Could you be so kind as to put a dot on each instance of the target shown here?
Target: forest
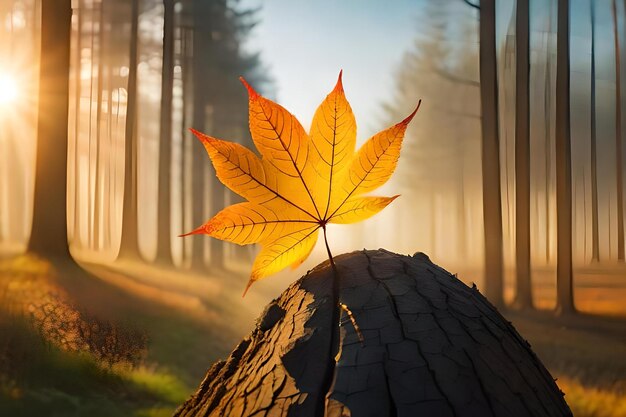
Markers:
(511, 177)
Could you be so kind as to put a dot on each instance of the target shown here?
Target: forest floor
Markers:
(80, 343)
(585, 353)
(127, 339)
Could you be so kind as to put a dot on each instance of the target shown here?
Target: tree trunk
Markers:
(110, 165)
(199, 158)
(49, 232)
(548, 138)
(564, 273)
(97, 216)
(523, 297)
(129, 247)
(76, 220)
(492, 206)
(618, 139)
(431, 346)
(595, 240)
(164, 241)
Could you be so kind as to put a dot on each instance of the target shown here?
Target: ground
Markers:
(137, 343)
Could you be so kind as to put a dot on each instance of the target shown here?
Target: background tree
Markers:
(49, 229)
(523, 297)
(595, 229)
(492, 206)
(164, 222)
(618, 137)
(564, 273)
(129, 246)
(443, 72)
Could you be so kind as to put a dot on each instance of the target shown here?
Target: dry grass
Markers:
(587, 401)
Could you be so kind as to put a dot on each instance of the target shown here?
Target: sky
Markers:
(304, 44)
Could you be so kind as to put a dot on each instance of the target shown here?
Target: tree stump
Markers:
(431, 346)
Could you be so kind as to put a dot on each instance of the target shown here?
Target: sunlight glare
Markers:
(8, 89)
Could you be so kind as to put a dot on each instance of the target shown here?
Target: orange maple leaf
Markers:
(302, 182)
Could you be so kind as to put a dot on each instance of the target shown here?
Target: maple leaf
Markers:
(302, 181)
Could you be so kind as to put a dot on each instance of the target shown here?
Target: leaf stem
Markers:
(330, 255)
(335, 341)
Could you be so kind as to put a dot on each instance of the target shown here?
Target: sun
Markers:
(9, 91)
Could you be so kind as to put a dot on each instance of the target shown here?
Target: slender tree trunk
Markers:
(595, 240)
(76, 232)
(109, 168)
(564, 273)
(185, 144)
(98, 180)
(492, 207)
(164, 249)
(618, 139)
(129, 248)
(523, 298)
(217, 192)
(548, 137)
(199, 158)
(433, 223)
(49, 232)
(90, 211)
(461, 209)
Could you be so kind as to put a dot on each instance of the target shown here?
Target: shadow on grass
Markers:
(43, 376)
(39, 379)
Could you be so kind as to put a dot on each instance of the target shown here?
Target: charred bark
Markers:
(431, 346)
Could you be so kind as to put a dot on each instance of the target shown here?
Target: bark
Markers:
(564, 273)
(492, 208)
(164, 240)
(49, 230)
(595, 240)
(129, 247)
(431, 347)
(618, 139)
(523, 297)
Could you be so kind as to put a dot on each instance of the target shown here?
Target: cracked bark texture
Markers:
(432, 347)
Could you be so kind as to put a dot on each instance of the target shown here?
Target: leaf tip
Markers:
(198, 231)
(199, 134)
(408, 119)
(251, 92)
(245, 291)
(339, 85)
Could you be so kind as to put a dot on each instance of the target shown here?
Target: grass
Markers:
(199, 324)
(586, 355)
(587, 401)
(45, 376)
